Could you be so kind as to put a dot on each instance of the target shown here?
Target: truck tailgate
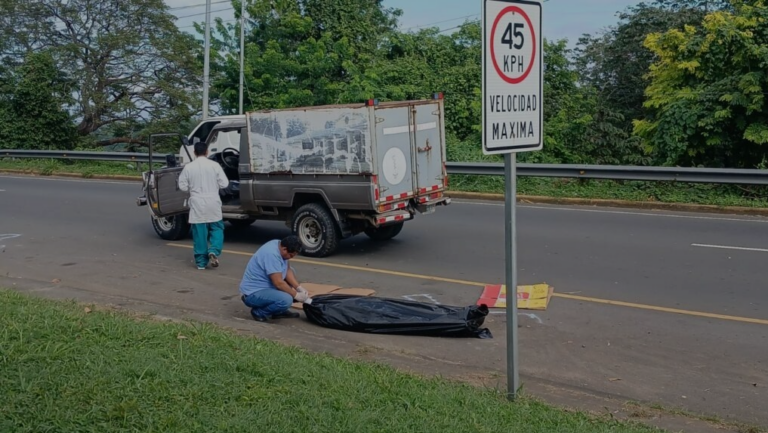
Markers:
(394, 155)
(429, 147)
(410, 152)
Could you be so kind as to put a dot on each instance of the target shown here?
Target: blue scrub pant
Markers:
(208, 238)
(267, 302)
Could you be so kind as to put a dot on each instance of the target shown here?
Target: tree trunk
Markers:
(117, 140)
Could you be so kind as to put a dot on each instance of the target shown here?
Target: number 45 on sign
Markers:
(512, 76)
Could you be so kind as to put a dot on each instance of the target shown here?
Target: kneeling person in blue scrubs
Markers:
(269, 285)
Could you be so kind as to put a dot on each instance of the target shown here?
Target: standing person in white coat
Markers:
(203, 178)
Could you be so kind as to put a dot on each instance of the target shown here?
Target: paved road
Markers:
(90, 234)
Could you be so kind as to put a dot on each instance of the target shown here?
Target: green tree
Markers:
(707, 93)
(128, 58)
(299, 53)
(33, 114)
(416, 65)
(616, 62)
(578, 129)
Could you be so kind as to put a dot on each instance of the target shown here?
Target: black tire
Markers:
(171, 228)
(384, 233)
(241, 224)
(316, 229)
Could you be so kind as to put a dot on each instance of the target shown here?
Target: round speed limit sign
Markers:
(513, 44)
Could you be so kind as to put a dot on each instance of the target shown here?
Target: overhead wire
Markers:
(203, 13)
(191, 26)
(177, 8)
(405, 29)
(438, 22)
(458, 27)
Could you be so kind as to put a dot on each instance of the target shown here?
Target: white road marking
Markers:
(528, 315)
(726, 247)
(422, 295)
(665, 215)
(5, 237)
(58, 179)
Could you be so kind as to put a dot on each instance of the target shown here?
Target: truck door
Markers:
(393, 148)
(163, 194)
(428, 138)
(162, 185)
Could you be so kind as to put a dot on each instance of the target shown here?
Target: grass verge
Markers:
(662, 192)
(655, 192)
(64, 367)
(48, 167)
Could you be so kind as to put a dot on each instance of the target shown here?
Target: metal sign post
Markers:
(510, 241)
(512, 122)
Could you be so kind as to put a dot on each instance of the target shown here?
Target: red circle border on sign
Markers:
(503, 12)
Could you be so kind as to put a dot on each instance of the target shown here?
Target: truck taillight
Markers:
(375, 187)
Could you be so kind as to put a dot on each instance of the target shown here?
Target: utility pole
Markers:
(207, 64)
(242, 51)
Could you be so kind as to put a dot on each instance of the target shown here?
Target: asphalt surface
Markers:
(91, 235)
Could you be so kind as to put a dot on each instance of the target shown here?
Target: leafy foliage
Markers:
(707, 92)
(300, 53)
(32, 114)
(127, 59)
(616, 62)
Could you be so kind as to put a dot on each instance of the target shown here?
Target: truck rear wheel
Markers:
(171, 228)
(316, 229)
(383, 233)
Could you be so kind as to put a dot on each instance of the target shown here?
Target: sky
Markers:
(567, 19)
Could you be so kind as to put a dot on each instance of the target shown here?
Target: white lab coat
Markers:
(203, 178)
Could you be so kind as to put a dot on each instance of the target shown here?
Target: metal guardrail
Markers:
(79, 155)
(573, 171)
(616, 172)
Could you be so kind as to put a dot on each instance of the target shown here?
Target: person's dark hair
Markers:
(200, 148)
(291, 243)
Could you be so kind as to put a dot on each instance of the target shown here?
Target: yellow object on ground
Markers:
(530, 297)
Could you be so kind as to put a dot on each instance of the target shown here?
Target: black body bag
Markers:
(376, 315)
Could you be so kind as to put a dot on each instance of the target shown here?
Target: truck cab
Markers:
(201, 133)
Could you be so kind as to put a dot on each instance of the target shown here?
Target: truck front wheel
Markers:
(316, 229)
(171, 228)
(383, 233)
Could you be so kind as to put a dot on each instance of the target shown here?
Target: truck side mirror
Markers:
(185, 141)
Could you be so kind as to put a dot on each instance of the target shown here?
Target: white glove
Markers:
(302, 290)
(301, 296)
